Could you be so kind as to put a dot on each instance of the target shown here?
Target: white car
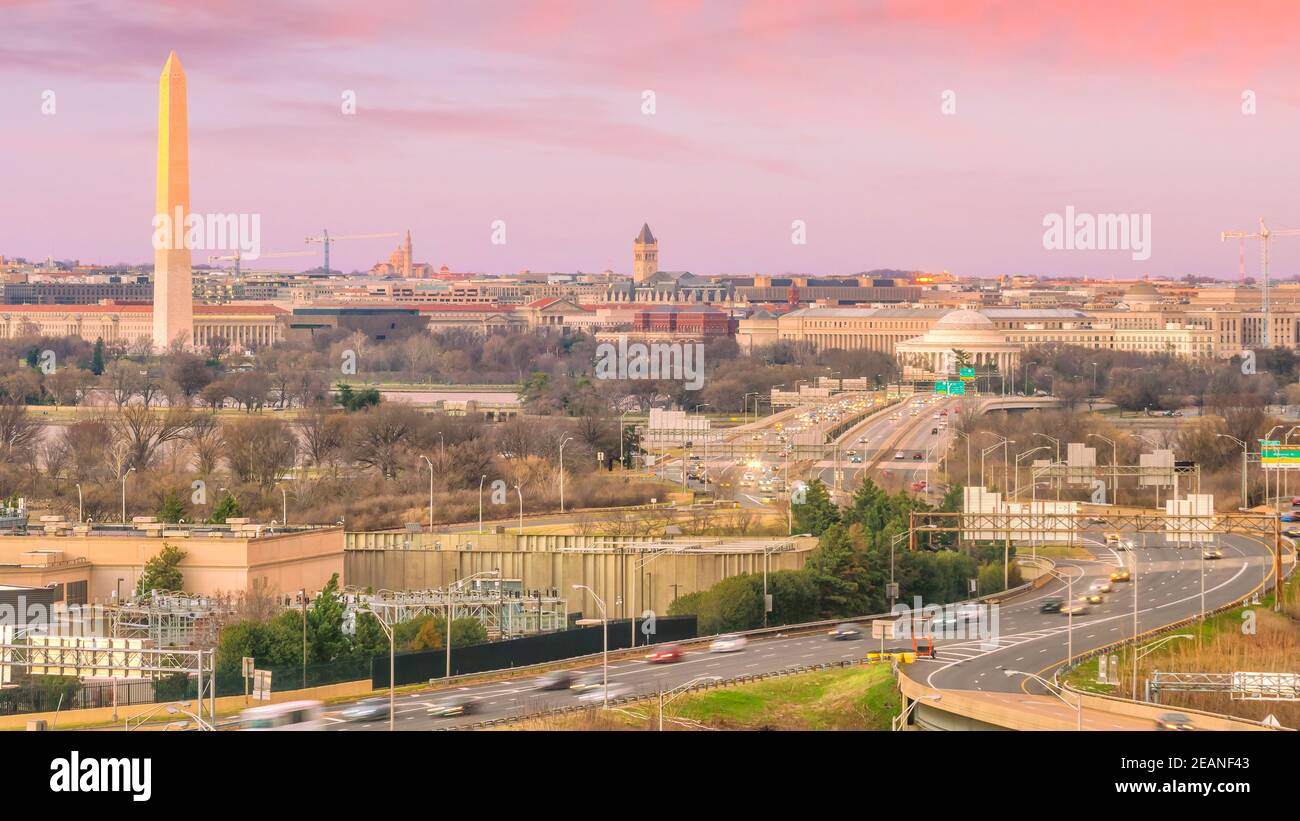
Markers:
(730, 643)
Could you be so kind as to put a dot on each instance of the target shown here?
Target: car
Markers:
(1052, 605)
(1295, 501)
(452, 706)
(665, 654)
(1211, 553)
(287, 715)
(1174, 721)
(855, 459)
(918, 486)
(1120, 576)
(1077, 608)
(933, 431)
(1092, 598)
(845, 632)
(599, 693)
(367, 709)
(1290, 517)
(587, 681)
(1292, 533)
(1110, 537)
(900, 455)
(729, 643)
(555, 680)
(916, 457)
(1101, 586)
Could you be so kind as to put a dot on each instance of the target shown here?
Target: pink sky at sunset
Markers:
(767, 112)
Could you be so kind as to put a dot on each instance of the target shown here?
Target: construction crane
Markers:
(272, 255)
(1264, 234)
(326, 240)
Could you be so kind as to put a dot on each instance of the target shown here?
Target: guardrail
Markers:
(636, 698)
(1079, 658)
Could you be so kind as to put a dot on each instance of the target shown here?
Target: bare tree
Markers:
(19, 433)
(145, 431)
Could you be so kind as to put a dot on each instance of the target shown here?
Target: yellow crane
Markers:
(326, 240)
(1264, 235)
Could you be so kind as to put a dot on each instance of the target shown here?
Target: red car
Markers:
(665, 654)
(915, 486)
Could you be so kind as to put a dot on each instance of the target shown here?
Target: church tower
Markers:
(406, 256)
(645, 255)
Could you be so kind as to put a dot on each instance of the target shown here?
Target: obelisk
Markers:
(173, 301)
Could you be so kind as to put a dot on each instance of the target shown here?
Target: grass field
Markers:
(855, 698)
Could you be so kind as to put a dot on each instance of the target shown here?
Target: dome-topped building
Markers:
(959, 338)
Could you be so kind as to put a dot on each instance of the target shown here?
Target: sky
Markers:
(914, 135)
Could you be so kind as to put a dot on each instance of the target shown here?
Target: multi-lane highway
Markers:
(1168, 584)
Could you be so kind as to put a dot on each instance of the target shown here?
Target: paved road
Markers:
(1168, 586)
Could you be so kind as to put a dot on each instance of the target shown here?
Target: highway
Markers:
(1168, 585)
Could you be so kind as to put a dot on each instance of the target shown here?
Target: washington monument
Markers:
(173, 307)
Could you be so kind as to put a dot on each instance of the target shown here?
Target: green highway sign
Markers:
(967, 373)
(950, 388)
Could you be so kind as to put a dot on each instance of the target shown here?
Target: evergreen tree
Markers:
(97, 360)
(227, 508)
(162, 572)
(817, 512)
(172, 508)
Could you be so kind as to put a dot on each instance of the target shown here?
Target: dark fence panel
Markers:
(414, 666)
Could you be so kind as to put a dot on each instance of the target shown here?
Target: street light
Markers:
(481, 479)
(284, 505)
(1055, 690)
(430, 464)
(604, 621)
(1020, 456)
(520, 491)
(1114, 467)
(80, 518)
(1140, 653)
(124, 475)
(564, 440)
(679, 690)
(1244, 452)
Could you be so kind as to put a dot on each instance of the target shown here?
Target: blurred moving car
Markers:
(916, 457)
(845, 632)
(1174, 721)
(1211, 553)
(289, 715)
(1292, 533)
(729, 643)
(1092, 598)
(1119, 576)
(599, 693)
(1052, 605)
(1077, 608)
(900, 455)
(554, 680)
(1101, 586)
(457, 705)
(587, 681)
(665, 654)
(367, 709)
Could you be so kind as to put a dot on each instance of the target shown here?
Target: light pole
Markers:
(604, 621)
(1140, 653)
(1244, 451)
(620, 438)
(681, 689)
(1055, 690)
(564, 440)
(520, 491)
(1114, 467)
(966, 436)
(430, 464)
(124, 475)
(303, 594)
(1025, 370)
(481, 479)
(1022, 456)
(284, 505)
(1094, 379)
(80, 517)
